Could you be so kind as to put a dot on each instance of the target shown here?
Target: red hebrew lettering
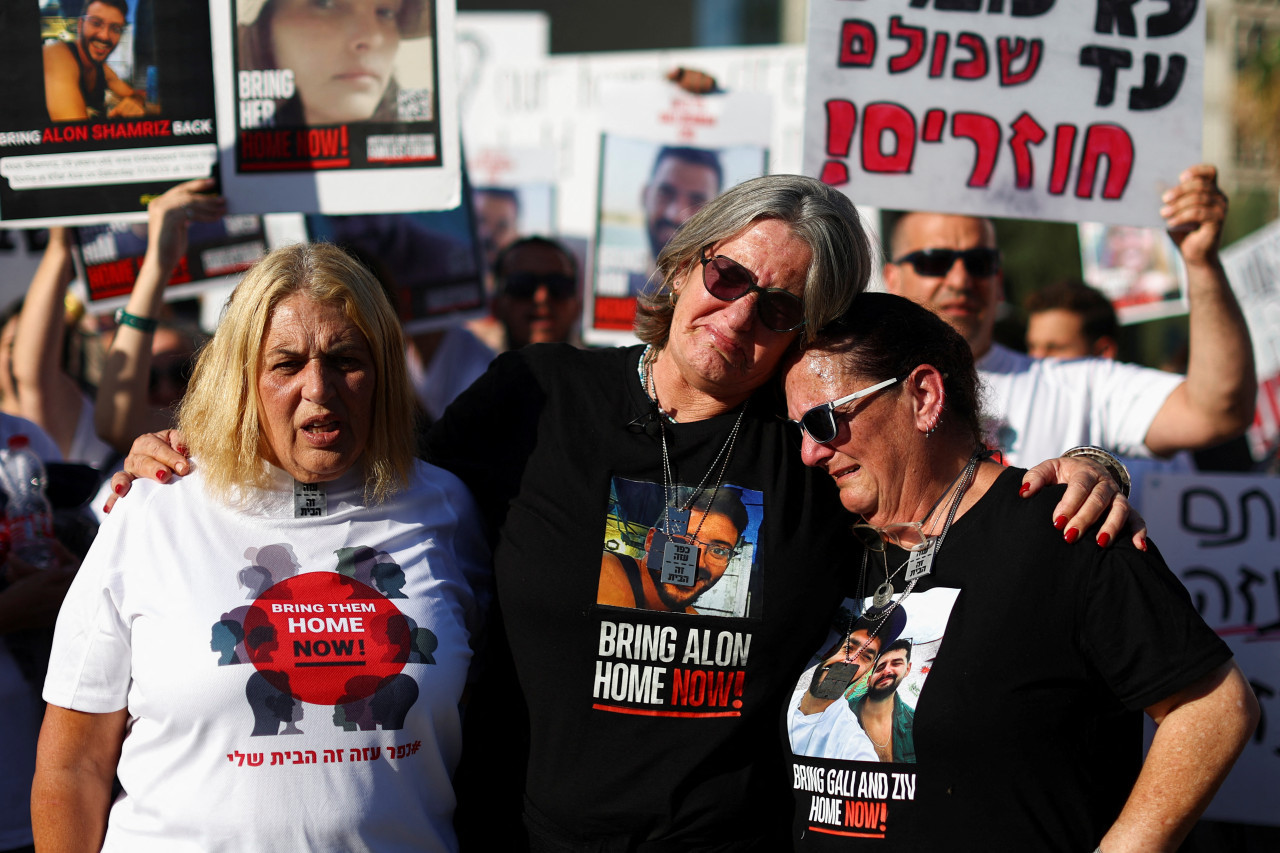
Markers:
(857, 44)
(938, 62)
(934, 121)
(1154, 93)
(834, 173)
(842, 119)
(1064, 141)
(1026, 132)
(1113, 142)
(914, 37)
(975, 68)
(878, 120)
(1008, 50)
(985, 133)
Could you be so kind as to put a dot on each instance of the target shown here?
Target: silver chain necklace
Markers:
(966, 480)
(668, 483)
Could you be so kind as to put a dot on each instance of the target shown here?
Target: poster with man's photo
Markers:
(664, 153)
(348, 107)
(108, 104)
(217, 252)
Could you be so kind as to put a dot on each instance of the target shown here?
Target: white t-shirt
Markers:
(1041, 407)
(833, 733)
(459, 360)
(292, 683)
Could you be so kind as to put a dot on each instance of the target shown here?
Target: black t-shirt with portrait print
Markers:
(1031, 660)
(653, 725)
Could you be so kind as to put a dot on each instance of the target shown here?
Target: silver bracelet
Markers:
(1107, 460)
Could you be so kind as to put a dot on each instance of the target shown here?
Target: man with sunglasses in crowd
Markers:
(537, 292)
(1041, 407)
(76, 76)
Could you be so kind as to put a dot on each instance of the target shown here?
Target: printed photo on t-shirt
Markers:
(683, 550)
(851, 719)
(857, 699)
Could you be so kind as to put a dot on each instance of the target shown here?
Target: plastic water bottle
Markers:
(29, 516)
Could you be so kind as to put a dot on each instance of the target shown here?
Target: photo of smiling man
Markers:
(697, 557)
(78, 83)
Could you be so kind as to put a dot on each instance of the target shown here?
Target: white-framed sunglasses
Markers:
(819, 423)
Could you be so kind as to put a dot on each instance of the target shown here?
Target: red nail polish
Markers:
(118, 489)
(1142, 545)
(106, 508)
(1026, 487)
(1104, 539)
(161, 475)
(1060, 522)
(1071, 535)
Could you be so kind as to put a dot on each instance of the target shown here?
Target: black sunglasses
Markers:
(728, 280)
(523, 285)
(819, 423)
(936, 263)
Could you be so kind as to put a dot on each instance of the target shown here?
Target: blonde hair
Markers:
(220, 414)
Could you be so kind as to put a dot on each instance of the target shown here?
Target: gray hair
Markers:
(824, 218)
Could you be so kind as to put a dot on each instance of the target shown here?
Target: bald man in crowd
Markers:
(951, 264)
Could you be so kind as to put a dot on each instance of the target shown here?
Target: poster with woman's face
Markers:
(324, 84)
(107, 104)
(347, 105)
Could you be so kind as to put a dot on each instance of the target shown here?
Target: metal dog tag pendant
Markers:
(679, 562)
(839, 676)
(883, 595)
(920, 563)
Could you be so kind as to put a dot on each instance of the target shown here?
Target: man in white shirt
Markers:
(1040, 408)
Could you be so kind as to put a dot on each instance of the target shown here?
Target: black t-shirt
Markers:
(1031, 661)
(654, 725)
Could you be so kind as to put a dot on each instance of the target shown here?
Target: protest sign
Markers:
(1253, 268)
(112, 255)
(1030, 109)
(1139, 270)
(664, 154)
(104, 109)
(336, 109)
(429, 262)
(1219, 535)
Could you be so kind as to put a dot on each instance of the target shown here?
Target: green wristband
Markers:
(142, 324)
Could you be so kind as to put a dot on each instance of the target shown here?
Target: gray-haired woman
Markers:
(656, 724)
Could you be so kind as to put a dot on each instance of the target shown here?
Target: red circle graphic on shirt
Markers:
(326, 639)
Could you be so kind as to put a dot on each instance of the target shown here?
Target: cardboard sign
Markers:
(1029, 109)
(1253, 268)
(1219, 535)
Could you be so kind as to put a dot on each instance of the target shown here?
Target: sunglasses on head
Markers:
(819, 423)
(523, 285)
(936, 263)
(728, 280)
